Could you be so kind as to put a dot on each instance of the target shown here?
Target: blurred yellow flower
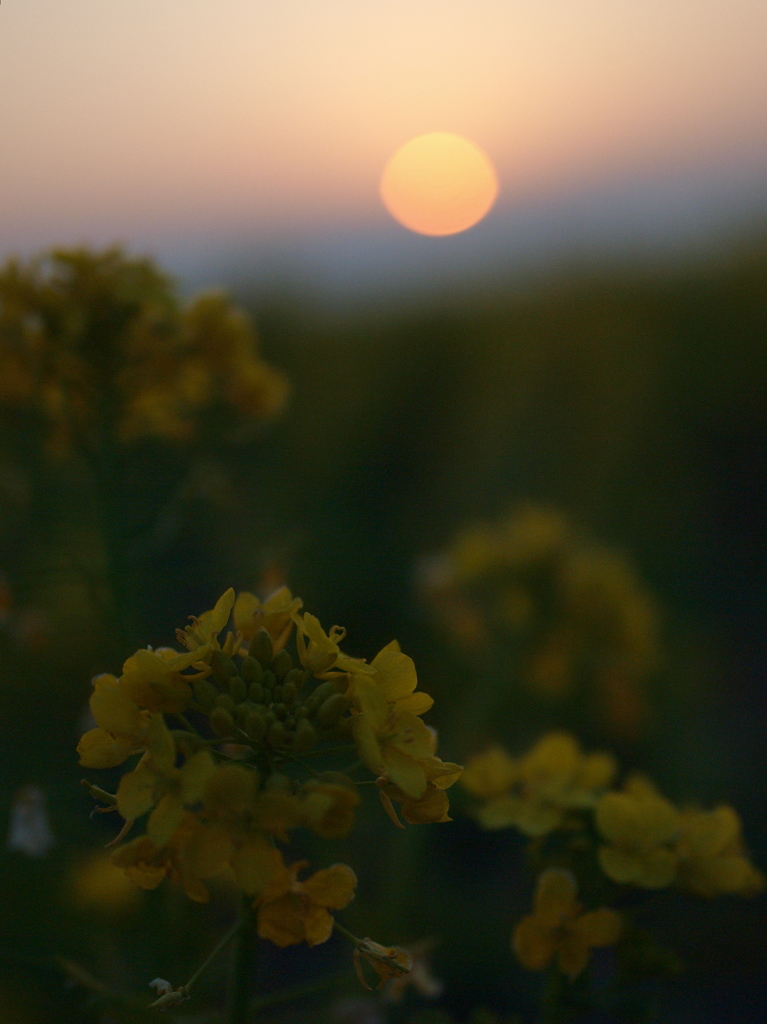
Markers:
(711, 857)
(97, 883)
(490, 773)
(76, 326)
(290, 911)
(558, 929)
(640, 828)
(554, 778)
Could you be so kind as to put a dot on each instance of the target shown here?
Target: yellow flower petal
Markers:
(136, 792)
(255, 863)
(417, 703)
(490, 773)
(533, 943)
(164, 819)
(282, 921)
(405, 772)
(332, 887)
(99, 749)
(572, 955)
(394, 673)
(113, 709)
(555, 896)
(318, 925)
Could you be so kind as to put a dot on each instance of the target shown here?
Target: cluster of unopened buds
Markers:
(221, 731)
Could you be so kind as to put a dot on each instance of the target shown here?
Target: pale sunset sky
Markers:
(150, 121)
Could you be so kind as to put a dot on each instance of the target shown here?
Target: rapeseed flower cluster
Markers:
(219, 731)
(97, 348)
(632, 837)
(573, 612)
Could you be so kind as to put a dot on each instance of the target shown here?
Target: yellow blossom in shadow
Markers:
(157, 783)
(202, 635)
(290, 911)
(327, 808)
(395, 675)
(98, 346)
(121, 726)
(558, 929)
(490, 774)
(322, 652)
(275, 615)
(154, 680)
(553, 779)
(711, 856)
(640, 829)
(97, 883)
(146, 864)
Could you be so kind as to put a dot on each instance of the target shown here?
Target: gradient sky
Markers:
(141, 119)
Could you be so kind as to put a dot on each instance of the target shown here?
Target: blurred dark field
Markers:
(633, 400)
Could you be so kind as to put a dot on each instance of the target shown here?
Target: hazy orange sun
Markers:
(439, 184)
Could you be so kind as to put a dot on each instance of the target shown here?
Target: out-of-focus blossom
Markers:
(540, 789)
(29, 828)
(97, 884)
(639, 828)
(558, 927)
(711, 856)
(98, 347)
(574, 613)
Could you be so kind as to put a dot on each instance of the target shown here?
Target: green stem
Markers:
(243, 968)
(345, 931)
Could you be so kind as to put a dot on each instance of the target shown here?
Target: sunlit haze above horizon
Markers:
(158, 123)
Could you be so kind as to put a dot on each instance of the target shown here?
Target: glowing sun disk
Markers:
(439, 184)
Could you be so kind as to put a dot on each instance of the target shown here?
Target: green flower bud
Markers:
(344, 728)
(270, 717)
(282, 663)
(237, 689)
(289, 692)
(331, 710)
(305, 737)
(222, 722)
(223, 700)
(280, 710)
(323, 691)
(251, 670)
(261, 648)
(276, 735)
(277, 694)
(270, 679)
(257, 693)
(223, 667)
(205, 693)
(296, 676)
(255, 725)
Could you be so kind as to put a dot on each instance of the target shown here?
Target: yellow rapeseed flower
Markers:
(550, 781)
(711, 857)
(157, 783)
(322, 652)
(121, 726)
(558, 929)
(290, 911)
(490, 774)
(275, 615)
(640, 828)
